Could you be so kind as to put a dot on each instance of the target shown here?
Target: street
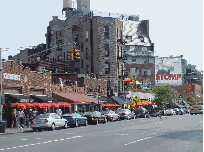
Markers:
(180, 133)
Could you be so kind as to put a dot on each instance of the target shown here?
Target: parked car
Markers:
(49, 121)
(181, 111)
(187, 110)
(150, 107)
(125, 114)
(170, 112)
(176, 111)
(110, 115)
(95, 117)
(196, 109)
(75, 119)
(155, 112)
(141, 112)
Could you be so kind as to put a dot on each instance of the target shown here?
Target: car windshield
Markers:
(43, 116)
(122, 110)
(105, 112)
(67, 117)
(88, 113)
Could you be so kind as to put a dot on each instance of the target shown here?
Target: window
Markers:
(31, 58)
(107, 68)
(106, 32)
(146, 60)
(82, 63)
(184, 90)
(106, 49)
(134, 71)
(144, 48)
(38, 58)
(87, 35)
(87, 53)
(146, 72)
(128, 37)
(87, 68)
(133, 59)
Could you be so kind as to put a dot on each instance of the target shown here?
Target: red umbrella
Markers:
(45, 105)
(20, 105)
(29, 104)
(59, 104)
(35, 104)
(65, 104)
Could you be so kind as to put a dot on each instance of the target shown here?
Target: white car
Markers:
(196, 109)
(170, 112)
(49, 121)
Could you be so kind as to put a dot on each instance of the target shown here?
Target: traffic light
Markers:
(70, 54)
(76, 54)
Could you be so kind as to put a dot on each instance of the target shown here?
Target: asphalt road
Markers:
(183, 133)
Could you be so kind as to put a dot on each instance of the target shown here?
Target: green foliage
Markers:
(8, 109)
(164, 95)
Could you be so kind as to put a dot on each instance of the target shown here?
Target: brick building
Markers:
(19, 79)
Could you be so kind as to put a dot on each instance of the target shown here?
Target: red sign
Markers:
(161, 76)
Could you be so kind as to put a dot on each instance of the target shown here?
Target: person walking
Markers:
(59, 111)
(35, 112)
(21, 117)
(14, 119)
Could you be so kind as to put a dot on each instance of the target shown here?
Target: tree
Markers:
(164, 95)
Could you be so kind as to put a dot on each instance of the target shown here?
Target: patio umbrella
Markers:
(65, 104)
(35, 104)
(20, 105)
(29, 104)
(45, 105)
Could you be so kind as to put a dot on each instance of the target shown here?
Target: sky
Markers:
(175, 26)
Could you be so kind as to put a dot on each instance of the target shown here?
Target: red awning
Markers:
(74, 98)
(20, 105)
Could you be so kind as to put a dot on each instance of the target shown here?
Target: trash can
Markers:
(3, 126)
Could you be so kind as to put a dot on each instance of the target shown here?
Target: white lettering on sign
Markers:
(12, 76)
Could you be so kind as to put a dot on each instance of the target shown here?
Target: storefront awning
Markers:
(21, 97)
(44, 98)
(117, 99)
(74, 98)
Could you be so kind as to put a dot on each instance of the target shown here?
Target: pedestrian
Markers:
(13, 119)
(59, 111)
(34, 113)
(21, 117)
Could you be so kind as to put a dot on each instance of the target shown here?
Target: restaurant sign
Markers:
(12, 76)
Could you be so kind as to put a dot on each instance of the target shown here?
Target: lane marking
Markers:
(125, 144)
(61, 139)
(32, 144)
(8, 148)
(49, 141)
(44, 142)
(20, 146)
(38, 143)
(141, 139)
(73, 137)
(24, 139)
(155, 123)
(68, 138)
(78, 136)
(2, 149)
(201, 121)
(149, 137)
(55, 140)
(138, 140)
(14, 147)
(145, 138)
(26, 145)
(38, 138)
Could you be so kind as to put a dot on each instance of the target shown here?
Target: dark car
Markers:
(141, 112)
(110, 115)
(95, 117)
(75, 119)
(155, 113)
(125, 114)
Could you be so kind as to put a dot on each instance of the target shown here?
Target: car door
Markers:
(59, 120)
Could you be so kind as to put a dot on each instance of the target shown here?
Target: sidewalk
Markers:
(14, 130)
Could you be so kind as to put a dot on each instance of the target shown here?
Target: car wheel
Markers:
(40, 129)
(35, 129)
(128, 118)
(118, 118)
(76, 124)
(52, 127)
(145, 116)
(86, 123)
(111, 119)
(65, 125)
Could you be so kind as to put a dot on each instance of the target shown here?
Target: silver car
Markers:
(49, 121)
(126, 114)
(197, 109)
(110, 115)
